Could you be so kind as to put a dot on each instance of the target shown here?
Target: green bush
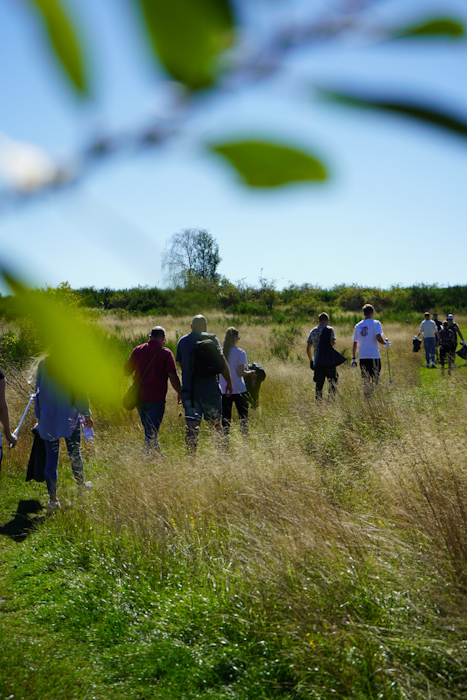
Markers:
(19, 347)
(281, 341)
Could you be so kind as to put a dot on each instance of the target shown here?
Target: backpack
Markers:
(448, 339)
(253, 385)
(207, 359)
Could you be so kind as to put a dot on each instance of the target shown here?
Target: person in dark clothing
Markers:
(439, 326)
(201, 393)
(320, 340)
(447, 347)
(454, 327)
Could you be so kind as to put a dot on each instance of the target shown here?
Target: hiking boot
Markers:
(85, 487)
(433, 365)
(53, 506)
(428, 365)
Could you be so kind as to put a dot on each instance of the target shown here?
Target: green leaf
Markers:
(64, 42)
(188, 36)
(270, 165)
(446, 27)
(432, 116)
(84, 358)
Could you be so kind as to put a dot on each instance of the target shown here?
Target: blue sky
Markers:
(393, 211)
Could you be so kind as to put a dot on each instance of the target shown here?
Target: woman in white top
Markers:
(236, 359)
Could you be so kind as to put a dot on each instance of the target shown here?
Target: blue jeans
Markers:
(430, 349)
(52, 451)
(151, 415)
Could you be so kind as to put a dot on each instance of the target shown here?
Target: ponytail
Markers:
(229, 341)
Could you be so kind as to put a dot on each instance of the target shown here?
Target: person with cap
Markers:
(200, 357)
(4, 416)
(157, 364)
(447, 347)
(430, 339)
(453, 326)
(368, 334)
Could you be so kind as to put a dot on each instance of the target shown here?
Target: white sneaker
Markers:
(53, 506)
(85, 487)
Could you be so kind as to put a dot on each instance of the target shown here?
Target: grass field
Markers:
(325, 557)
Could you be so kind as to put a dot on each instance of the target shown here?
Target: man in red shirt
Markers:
(160, 365)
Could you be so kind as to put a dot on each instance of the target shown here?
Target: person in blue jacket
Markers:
(59, 414)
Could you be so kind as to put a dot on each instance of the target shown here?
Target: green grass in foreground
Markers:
(86, 615)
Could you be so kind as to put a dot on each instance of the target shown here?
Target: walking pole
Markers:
(31, 398)
(389, 366)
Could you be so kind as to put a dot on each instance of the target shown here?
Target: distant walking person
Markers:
(453, 326)
(160, 365)
(318, 345)
(430, 339)
(237, 361)
(4, 416)
(447, 347)
(367, 335)
(199, 354)
(59, 412)
(439, 326)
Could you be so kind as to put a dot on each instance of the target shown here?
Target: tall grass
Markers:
(325, 556)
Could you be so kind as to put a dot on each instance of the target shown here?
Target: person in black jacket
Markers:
(321, 341)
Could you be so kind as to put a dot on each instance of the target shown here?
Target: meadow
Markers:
(324, 557)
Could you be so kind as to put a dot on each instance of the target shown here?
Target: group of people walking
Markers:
(368, 335)
(212, 381)
(440, 340)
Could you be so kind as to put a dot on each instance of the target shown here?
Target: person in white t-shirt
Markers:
(367, 335)
(236, 359)
(430, 339)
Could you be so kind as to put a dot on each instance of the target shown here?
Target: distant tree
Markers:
(191, 253)
(267, 292)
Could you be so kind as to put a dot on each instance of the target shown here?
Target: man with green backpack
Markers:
(200, 357)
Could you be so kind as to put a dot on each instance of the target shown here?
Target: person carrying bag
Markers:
(131, 398)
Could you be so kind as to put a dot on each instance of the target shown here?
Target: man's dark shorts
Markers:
(370, 368)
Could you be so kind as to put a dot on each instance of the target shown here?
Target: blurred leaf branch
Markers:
(209, 48)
